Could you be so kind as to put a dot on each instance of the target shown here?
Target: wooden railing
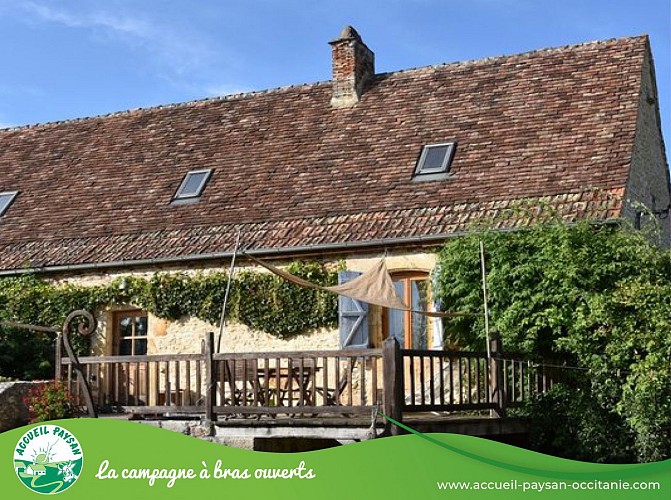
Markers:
(145, 384)
(341, 383)
(462, 380)
(446, 381)
(315, 382)
(523, 379)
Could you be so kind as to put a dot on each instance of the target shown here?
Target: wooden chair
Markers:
(242, 379)
(332, 395)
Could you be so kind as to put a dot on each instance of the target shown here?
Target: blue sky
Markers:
(69, 59)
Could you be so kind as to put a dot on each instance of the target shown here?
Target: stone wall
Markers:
(13, 411)
(186, 335)
(287, 439)
(649, 177)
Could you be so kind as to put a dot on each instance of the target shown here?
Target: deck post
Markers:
(393, 382)
(497, 386)
(210, 384)
(59, 358)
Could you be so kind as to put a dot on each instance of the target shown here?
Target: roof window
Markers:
(434, 161)
(192, 185)
(6, 200)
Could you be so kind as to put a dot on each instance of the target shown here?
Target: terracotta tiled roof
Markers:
(381, 227)
(290, 171)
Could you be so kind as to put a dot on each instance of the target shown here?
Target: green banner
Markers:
(102, 459)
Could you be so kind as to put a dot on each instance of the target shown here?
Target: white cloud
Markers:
(48, 14)
(176, 50)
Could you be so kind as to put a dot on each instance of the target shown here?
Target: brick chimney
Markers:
(353, 66)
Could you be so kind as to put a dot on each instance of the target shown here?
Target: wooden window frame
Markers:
(407, 277)
(116, 331)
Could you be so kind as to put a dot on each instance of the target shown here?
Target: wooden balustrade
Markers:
(152, 384)
(462, 380)
(342, 382)
(525, 379)
(446, 381)
(314, 382)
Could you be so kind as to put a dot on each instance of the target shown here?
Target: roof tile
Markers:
(289, 170)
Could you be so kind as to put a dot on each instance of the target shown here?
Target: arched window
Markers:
(410, 329)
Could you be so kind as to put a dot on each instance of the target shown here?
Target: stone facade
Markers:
(186, 335)
(648, 186)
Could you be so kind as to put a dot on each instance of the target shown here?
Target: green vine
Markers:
(259, 300)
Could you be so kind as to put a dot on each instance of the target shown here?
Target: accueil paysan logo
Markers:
(48, 459)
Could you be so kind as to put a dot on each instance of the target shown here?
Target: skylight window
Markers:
(6, 200)
(434, 161)
(192, 185)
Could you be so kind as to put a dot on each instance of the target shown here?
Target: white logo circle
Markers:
(48, 459)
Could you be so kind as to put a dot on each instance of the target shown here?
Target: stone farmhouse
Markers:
(350, 169)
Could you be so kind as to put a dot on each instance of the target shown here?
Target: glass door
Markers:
(410, 329)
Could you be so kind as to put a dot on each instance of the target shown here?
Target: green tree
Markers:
(597, 297)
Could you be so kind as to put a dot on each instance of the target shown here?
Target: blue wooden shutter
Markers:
(352, 316)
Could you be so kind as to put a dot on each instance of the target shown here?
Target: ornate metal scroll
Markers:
(84, 328)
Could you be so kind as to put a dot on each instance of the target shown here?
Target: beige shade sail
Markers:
(373, 287)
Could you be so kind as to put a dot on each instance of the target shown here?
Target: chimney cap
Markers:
(348, 33)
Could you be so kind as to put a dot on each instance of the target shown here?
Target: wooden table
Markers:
(285, 383)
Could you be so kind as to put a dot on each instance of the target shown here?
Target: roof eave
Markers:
(276, 253)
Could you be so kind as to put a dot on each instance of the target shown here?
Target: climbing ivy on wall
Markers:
(259, 300)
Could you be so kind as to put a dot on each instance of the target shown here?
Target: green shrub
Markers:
(595, 296)
(49, 401)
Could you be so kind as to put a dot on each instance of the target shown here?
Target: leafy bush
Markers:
(597, 297)
(49, 401)
(568, 421)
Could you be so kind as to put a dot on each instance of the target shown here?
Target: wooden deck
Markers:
(325, 389)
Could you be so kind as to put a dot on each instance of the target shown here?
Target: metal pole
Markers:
(222, 320)
(483, 270)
